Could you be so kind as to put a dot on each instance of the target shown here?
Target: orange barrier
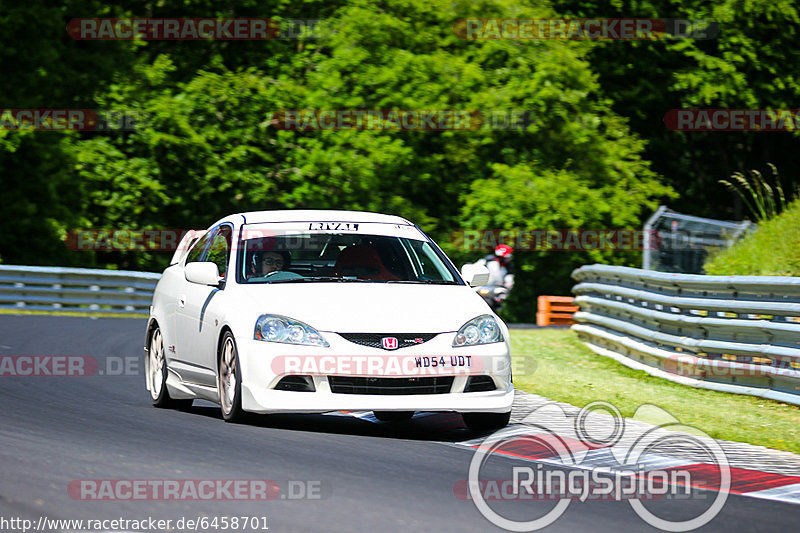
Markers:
(555, 310)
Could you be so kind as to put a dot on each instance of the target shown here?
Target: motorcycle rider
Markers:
(501, 271)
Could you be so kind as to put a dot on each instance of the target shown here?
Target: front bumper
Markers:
(264, 364)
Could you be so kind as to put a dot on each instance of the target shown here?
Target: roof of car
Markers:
(324, 215)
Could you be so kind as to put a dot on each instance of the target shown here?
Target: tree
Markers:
(210, 143)
(751, 64)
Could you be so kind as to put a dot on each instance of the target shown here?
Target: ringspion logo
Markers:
(596, 460)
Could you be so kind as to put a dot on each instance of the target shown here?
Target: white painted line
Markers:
(787, 493)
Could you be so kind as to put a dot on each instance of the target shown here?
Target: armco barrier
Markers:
(76, 289)
(736, 334)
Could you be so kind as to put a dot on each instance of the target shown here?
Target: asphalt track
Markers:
(371, 477)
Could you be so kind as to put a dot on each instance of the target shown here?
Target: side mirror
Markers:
(475, 275)
(202, 273)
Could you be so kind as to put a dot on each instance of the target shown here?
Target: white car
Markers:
(318, 311)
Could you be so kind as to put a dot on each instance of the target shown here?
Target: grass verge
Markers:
(773, 249)
(560, 367)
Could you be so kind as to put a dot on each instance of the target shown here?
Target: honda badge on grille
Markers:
(389, 343)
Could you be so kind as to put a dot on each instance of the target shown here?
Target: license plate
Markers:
(450, 361)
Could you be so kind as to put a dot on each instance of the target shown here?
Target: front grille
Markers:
(361, 385)
(373, 340)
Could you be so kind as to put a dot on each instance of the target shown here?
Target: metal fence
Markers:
(736, 334)
(76, 289)
(675, 242)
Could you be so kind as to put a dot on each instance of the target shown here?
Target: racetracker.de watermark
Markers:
(68, 366)
(196, 489)
(386, 365)
(701, 366)
(200, 522)
(162, 240)
(596, 456)
(400, 366)
(767, 120)
(118, 240)
(399, 119)
(193, 29)
(568, 240)
(593, 29)
(68, 120)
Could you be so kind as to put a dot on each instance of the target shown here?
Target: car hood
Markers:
(366, 307)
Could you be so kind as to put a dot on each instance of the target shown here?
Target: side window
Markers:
(196, 252)
(220, 249)
(432, 269)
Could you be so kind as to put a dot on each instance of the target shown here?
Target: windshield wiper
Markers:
(424, 281)
(336, 279)
(311, 279)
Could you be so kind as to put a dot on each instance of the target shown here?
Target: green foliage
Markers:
(209, 146)
(750, 64)
(763, 201)
(773, 249)
(44, 68)
(592, 155)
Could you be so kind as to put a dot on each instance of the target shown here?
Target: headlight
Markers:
(276, 328)
(481, 330)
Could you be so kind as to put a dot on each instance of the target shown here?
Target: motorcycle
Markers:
(494, 295)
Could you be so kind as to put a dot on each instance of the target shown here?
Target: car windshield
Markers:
(341, 257)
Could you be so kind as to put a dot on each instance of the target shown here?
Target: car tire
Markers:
(157, 374)
(393, 416)
(230, 380)
(486, 421)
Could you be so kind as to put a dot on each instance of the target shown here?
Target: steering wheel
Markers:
(277, 275)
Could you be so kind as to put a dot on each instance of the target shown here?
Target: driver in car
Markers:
(271, 262)
(263, 264)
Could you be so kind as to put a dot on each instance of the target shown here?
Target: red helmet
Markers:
(503, 250)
